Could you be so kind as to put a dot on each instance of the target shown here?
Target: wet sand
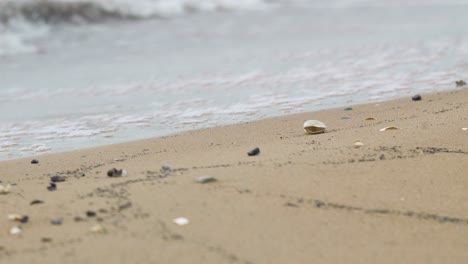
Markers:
(402, 197)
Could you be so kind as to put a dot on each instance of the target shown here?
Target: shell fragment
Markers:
(314, 127)
(388, 128)
(98, 229)
(370, 118)
(15, 230)
(206, 179)
(181, 221)
(358, 144)
(5, 189)
(465, 128)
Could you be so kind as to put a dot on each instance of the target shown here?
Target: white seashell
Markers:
(358, 144)
(465, 128)
(98, 229)
(388, 128)
(5, 189)
(314, 127)
(181, 221)
(15, 230)
(14, 217)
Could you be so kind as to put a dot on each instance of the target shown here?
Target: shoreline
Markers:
(402, 195)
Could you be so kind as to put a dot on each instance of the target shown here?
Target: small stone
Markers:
(57, 178)
(345, 117)
(78, 219)
(460, 83)
(52, 187)
(416, 97)
(382, 157)
(348, 109)
(82, 174)
(24, 219)
(56, 221)
(5, 189)
(254, 152)
(165, 168)
(46, 240)
(116, 172)
(33, 202)
(90, 213)
(206, 179)
(34, 161)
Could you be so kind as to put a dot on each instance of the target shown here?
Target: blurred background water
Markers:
(77, 73)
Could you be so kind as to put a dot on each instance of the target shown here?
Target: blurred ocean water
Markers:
(77, 74)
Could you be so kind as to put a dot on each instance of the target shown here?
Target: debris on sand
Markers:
(181, 221)
(90, 213)
(99, 229)
(52, 186)
(33, 202)
(370, 119)
(34, 161)
(206, 179)
(117, 173)
(56, 221)
(388, 128)
(416, 97)
(254, 152)
(358, 143)
(314, 127)
(348, 109)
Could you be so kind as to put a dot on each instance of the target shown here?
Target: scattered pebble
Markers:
(5, 189)
(388, 128)
(370, 118)
(116, 173)
(206, 179)
(33, 202)
(34, 161)
(57, 178)
(46, 239)
(52, 186)
(460, 83)
(416, 97)
(254, 152)
(165, 168)
(181, 221)
(345, 117)
(24, 219)
(15, 230)
(382, 157)
(98, 229)
(348, 109)
(78, 219)
(56, 221)
(90, 213)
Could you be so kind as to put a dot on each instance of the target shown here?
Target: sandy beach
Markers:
(400, 198)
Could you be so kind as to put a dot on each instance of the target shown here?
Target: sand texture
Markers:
(400, 198)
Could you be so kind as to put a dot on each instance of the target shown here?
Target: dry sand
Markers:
(401, 198)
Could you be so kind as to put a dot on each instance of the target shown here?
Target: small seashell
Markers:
(370, 118)
(98, 229)
(181, 221)
(254, 152)
(314, 127)
(5, 189)
(206, 179)
(388, 128)
(56, 221)
(465, 128)
(358, 143)
(14, 217)
(15, 230)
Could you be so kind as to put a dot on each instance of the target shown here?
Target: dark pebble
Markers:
(254, 152)
(57, 178)
(165, 168)
(82, 174)
(90, 213)
(348, 109)
(52, 187)
(46, 239)
(345, 117)
(36, 202)
(78, 219)
(24, 219)
(56, 221)
(416, 97)
(114, 172)
(34, 161)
